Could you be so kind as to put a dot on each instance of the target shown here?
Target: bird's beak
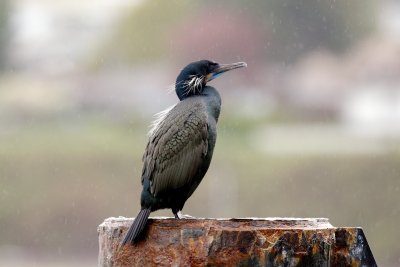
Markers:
(224, 68)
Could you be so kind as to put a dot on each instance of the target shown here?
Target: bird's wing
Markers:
(177, 148)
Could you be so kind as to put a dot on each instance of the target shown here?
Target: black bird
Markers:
(181, 143)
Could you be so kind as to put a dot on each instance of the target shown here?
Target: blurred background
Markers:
(310, 129)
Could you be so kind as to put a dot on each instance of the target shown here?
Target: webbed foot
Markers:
(179, 215)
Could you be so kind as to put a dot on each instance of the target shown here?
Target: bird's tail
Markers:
(137, 227)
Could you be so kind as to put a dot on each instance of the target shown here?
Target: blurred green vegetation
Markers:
(60, 181)
(288, 28)
(4, 32)
(141, 35)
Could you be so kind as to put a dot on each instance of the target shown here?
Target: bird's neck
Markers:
(181, 90)
(186, 87)
(208, 93)
(213, 101)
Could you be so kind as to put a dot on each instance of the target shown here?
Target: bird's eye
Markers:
(211, 65)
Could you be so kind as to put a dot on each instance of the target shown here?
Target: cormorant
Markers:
(181, 143)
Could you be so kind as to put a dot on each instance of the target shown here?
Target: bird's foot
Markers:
(179, 215)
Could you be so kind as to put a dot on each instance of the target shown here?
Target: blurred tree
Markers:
(4, 32)
(220, 34)
(142, 34)
(284, 29)
(295, 27)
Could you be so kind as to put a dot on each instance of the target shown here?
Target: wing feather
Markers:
(177, 147)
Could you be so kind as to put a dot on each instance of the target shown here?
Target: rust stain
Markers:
(237, 242)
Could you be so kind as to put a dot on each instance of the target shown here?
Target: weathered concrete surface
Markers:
(234, 242)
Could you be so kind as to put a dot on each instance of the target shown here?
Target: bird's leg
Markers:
(176, 213)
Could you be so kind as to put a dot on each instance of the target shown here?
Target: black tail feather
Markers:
(137, 227)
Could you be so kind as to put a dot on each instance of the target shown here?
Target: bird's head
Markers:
(194, 77)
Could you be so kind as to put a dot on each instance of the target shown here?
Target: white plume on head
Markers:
(193, 84)
(158, 118)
